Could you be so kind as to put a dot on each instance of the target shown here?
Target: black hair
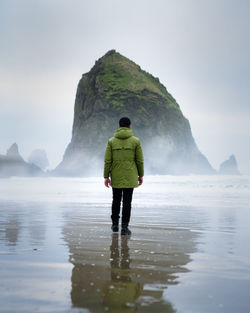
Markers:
(124, 122)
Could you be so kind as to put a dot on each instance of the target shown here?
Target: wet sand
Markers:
(187, 251)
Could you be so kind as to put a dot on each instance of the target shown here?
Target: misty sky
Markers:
(199, 49)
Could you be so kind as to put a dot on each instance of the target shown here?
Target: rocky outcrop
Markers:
(39, 158)
(12, 164)
(13, 153)
(117, 87)
(229, 167)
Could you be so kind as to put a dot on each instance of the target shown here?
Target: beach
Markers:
(188, 251)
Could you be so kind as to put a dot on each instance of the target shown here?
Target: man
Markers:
(124, 164)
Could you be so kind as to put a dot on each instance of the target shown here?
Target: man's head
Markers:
(125, 122)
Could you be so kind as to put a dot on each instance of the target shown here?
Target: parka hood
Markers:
(123, 133)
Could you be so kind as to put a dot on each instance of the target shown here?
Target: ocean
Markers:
(188, 252)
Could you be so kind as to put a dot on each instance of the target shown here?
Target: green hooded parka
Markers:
(124, 159)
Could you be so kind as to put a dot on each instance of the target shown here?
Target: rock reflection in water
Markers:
(125, 274)
(26, 220)
(12, 230)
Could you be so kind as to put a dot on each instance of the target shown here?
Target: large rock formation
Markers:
(117, 87)
(39, 158)
(13, 153)
(229, 167)
(12, 164)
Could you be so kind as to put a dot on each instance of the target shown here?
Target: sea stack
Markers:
(39, 158)
(117, 87)
(229, 167)
(13, 153)
(12, 164)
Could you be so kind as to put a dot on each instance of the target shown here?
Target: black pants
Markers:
(126, 196)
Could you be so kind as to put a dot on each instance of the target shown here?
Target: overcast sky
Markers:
(199, 49)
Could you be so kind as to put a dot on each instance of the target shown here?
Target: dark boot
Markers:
(115, 227)
(125, 230)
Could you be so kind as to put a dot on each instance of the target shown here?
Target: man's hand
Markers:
(140, 180)
(107, 182)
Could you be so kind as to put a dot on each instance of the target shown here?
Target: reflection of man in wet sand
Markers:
(99, 285)
(124, 163)
(120, 293)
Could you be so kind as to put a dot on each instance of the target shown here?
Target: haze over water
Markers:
(188, 251)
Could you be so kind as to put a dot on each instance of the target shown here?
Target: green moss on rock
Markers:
(115, 87)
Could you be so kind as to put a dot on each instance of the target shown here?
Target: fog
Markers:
(163, 155)
(198, 49)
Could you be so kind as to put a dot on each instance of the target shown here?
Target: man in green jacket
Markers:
(124, 164)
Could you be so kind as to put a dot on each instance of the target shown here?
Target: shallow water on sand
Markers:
(188, 251)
